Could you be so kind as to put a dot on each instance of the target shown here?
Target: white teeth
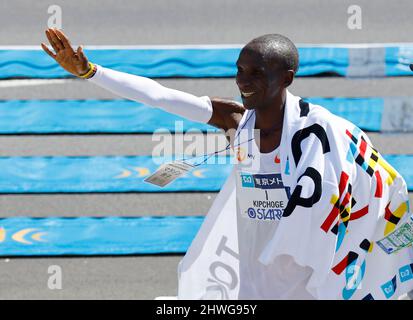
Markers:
(247, 94)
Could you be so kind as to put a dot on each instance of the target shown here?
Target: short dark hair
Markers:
(276, 48)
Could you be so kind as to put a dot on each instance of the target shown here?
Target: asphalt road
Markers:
(126, 22)
(132, 22)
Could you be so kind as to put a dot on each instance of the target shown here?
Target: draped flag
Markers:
(347, 217)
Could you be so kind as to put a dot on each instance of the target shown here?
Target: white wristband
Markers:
(154, 94)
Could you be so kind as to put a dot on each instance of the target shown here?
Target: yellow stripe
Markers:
(392, 173)
(38, 236)
(142, 171)
(399, 212)
(371, 247)
(334, 199)
(372, 163)
(389, 228)
(19, 236)
(2, 234)
(348, 216)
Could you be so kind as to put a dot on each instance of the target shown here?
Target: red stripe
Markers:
(379, 185)
(360, 213)
(330, 219)
(388, 213)
(363, 147)
(338, 269)
(343, 182)
(346, 199)
(335, 211)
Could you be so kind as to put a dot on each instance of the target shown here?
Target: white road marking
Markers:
(32, 82)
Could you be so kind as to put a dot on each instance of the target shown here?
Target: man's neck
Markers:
(271, 118)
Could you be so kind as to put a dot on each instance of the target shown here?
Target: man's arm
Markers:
(152, 93)
(226, 113)
(221, 113)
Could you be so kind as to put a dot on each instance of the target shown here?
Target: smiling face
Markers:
(257, 79)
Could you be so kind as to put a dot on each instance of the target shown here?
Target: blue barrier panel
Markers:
(124, 116)
(404, 165)
(366, 113)
(24, 236)
(169, 62)
(103, 174)
(374, 60)
(318, 60)
(124, 174)
(145, 62)
(89, 116)
(398, 59)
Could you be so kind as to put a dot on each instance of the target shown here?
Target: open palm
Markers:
(72, 61)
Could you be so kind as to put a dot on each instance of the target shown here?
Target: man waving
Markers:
(311, 209)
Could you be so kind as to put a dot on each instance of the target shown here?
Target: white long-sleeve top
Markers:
(154, 94)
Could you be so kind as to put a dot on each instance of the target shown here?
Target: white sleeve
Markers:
(154, 94)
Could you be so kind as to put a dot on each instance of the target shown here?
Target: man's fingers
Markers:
(50, 53)
(52, 41)
(80, 53)
(49, 37)
(58, 43)
(65, 41)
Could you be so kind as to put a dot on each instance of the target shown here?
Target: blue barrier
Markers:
(88, 116)
(366, 113)
(103, 174)
(398, 59)
(124, 116)
(380, 60)
(24, 236)
(124, 174)
(145, 62)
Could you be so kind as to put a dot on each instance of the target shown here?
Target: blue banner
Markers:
(125, 116)
(365, 113)
(214, 61)
(24, 236)
(103, 174)
(89, 116)
(125, 174)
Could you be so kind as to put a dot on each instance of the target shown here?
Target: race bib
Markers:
(400, 238)
(261, 196)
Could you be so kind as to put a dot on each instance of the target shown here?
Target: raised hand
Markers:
(72, 61)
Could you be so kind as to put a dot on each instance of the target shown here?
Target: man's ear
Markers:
(289, 77)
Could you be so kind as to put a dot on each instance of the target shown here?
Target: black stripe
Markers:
(305, 108)
(365, 244)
